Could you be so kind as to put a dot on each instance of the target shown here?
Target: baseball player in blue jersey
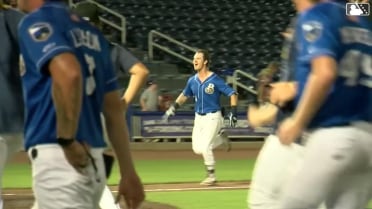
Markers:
(333, 74)
(68, 80)
(124, 63)
(206, 88)
(11, 99)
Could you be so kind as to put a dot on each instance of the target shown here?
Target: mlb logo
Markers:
(357, 9)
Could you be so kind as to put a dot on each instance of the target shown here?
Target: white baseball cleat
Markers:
(209, 181)
(225, 140)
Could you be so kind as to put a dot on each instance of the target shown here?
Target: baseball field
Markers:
(171, 173)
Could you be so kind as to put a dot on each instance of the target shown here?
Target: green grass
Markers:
(151, 171)
(173, 171)
(17, 176)
(222, 199)
(168, 171)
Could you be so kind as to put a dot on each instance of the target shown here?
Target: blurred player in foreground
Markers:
(11, 99)
(333, 71)
(68, 81)
(124, 62)
(275, 162)
(206, 87)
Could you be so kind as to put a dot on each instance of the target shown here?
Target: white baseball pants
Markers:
(57, 185)
(205, 135)
(337, 170)
(275, 164)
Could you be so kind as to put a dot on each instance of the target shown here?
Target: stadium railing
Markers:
(235, 80)
(153, 44)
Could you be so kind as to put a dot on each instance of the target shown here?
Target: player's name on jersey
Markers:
(85, 38)
(356, 35)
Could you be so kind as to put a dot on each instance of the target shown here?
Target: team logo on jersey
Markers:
(209, 89)
(312, 30)
(40, 31)
(22, 67)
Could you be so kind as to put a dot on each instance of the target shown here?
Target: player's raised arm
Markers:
(130, 184)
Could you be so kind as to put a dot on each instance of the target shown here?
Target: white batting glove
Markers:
(170, 112)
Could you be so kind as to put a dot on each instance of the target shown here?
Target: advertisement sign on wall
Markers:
(181, 125)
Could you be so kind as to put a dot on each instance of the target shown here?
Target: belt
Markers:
(202, 114)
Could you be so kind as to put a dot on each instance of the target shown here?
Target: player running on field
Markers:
(333, 69)
(206, 88)
(68, 81)
(275, 162)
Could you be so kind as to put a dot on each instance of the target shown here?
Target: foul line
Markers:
(167, 190)
(196, 188)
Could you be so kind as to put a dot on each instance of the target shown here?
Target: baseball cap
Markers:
(87, 10)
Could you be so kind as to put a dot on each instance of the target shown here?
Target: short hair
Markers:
(206, 55)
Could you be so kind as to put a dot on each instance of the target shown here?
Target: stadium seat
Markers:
(242, 34)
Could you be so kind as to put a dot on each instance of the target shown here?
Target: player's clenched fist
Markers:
(76, 154)
(289, 131)
(131, 188)
(282, 92)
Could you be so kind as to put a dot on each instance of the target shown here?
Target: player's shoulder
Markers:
(36, 25)
(322, 16)
(43, 17)
(216, 77)
(192, 78)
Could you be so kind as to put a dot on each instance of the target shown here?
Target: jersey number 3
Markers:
(356, 68)
(90, 84)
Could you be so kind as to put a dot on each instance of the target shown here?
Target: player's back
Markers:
(326, 30)
(53, 30)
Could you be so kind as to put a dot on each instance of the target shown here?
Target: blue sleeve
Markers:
(111, 79)
(187, 91)
(316, 36)
(224, 88)
(42, 39)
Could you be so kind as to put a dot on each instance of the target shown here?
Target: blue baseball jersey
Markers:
(44, 34)
(207, 94)
(325, 30)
